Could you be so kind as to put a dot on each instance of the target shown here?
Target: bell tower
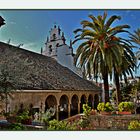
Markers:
(53, 42)
(57, 48)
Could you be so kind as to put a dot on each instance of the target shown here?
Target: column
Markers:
(57, 112)
(69, 109)
(93, 103)
(78, 107)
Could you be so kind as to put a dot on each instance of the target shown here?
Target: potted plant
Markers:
(86, 110)
(105, 108)
(134, 125)
(93, 112)
(125, 108)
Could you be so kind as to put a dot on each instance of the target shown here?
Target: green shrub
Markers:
(134, 125)
(46, 117)
(108, 107)
(22, 117)
(105, 107)
(125, 106)
(60, 125)
(101, 107)
(86, 109)
(17, 126)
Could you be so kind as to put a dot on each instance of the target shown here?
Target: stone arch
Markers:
(96, 101)
(51, 102)
(63, 108)
(90, 101)
(82, 101)
(74, 105)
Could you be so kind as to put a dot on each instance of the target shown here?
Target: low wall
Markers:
(112, 122)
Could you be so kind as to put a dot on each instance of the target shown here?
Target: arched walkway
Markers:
(83, 101)
(96, 101)
(63, 108)
(51, 102)
(90, 101)
(74, 105)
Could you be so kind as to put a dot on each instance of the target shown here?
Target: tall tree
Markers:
(126, 68)
(6, 87)
(101, 50)
(135, 38)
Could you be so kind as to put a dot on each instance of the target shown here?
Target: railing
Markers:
(74, 118)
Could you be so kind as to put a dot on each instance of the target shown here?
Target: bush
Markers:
(86, 109)
(105, 107)
(60, 125)
(134, 125)
(46, 117)
(17, 126)
(125, 106)
(23, 117)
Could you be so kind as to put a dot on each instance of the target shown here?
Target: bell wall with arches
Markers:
(66, 103)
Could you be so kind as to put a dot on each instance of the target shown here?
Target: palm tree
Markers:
(126, 68)
(101, 49)
(136, 36)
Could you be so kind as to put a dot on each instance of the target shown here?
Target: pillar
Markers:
(78, 107)
(57, 112)
(93, 103)
(69, 109)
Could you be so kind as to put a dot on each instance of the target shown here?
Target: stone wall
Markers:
(112, 122)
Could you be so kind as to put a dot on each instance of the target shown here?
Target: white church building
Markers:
(56, 48)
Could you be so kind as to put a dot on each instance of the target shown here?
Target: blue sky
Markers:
(31, 27)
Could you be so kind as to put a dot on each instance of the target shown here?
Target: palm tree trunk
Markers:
(106, 87)
(117, 83)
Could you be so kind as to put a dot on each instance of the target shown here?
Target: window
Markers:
(50, 48)
(57, 45)
(54, 36)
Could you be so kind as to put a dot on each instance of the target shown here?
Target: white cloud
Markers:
(31, 46)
